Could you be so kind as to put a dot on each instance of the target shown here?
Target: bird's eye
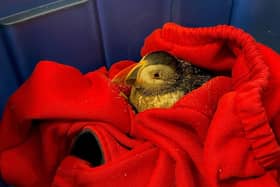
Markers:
(156, 75)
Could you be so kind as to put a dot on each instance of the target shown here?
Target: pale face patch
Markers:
(154, 75)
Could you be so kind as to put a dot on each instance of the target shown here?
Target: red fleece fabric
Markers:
(223, 134)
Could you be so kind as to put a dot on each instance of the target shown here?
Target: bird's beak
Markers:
(132, 74)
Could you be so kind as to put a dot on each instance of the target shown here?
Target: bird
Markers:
(160, 79)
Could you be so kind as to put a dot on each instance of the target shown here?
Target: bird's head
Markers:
(159, 80)
(157, 70)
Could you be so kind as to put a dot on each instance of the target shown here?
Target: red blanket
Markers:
(224, 133)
